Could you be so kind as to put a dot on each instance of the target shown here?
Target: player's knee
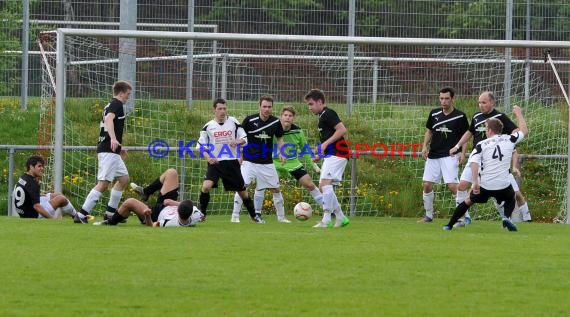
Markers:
(122, 183)
(171, 172)
(129, 202)
(428, 187)
(59, 201)
(462, 186)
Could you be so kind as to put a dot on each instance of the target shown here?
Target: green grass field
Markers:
(375, 267)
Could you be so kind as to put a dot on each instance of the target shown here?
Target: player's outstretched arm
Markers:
(520, 120)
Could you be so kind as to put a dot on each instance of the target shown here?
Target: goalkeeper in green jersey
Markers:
(294, 145)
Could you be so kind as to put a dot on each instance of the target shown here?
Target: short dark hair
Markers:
(495, 125)
(121, 86)
(266, 98)
(185, 209)
(449, 90)
(316, 95)
(217, 101)
(34, 160)
(290, 109)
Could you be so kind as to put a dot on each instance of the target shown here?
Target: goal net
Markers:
(394, 88)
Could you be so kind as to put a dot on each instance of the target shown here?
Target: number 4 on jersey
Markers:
(497, 153)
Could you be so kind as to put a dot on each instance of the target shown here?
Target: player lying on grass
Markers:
(165, 209)
(490, 162)
(173, 214)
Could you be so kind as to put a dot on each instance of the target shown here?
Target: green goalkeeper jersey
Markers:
(295, 144)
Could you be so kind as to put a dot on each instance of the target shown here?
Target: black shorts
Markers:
(230, 173)
(157, 208)
(298, 173)
(505, 196)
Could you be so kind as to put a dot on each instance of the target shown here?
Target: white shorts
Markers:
(265, 175)
(44, 201)
(466, 176)
(333, 169)
(111, 166)
(448, 167)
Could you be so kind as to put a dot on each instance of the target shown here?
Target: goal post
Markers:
(392, 80)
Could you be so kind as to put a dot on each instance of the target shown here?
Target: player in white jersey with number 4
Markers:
(490, 162)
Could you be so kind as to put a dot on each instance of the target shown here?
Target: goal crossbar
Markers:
(314, 39)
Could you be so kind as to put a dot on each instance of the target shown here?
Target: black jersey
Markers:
(25, 195)
(446, 131)
(477, 127)
(328, 119)
(259, 148)
(104, 144)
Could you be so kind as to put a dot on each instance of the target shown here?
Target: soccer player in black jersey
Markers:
(258, 160)
(489, 166)
(477, 131)
(331, 131)
(444, 127)
(110, 153)
(26, 198)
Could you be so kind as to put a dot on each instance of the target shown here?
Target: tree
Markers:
(10, 15)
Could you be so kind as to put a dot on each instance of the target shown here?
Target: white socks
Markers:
(460, 196)
(258, 200)
(279, 205)
(115, 198)
(525, 212)
(330, 203)
(91, 200)
(317, 196)
(237, 205)
(68, 209)
(428, 204)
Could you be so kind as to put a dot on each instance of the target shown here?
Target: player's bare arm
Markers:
(520, 120)
(515, 164)
(475, 176)
(462, 154)
(210, 159)
(425, 145)
(42, 211)
(281, 144)
(235, 142)
(340, 131)
(462, 142)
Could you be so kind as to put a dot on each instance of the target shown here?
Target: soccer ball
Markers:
(303, 211)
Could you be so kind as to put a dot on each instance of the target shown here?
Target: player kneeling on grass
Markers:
(490, 162)
(174, 214)
(26, 199)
